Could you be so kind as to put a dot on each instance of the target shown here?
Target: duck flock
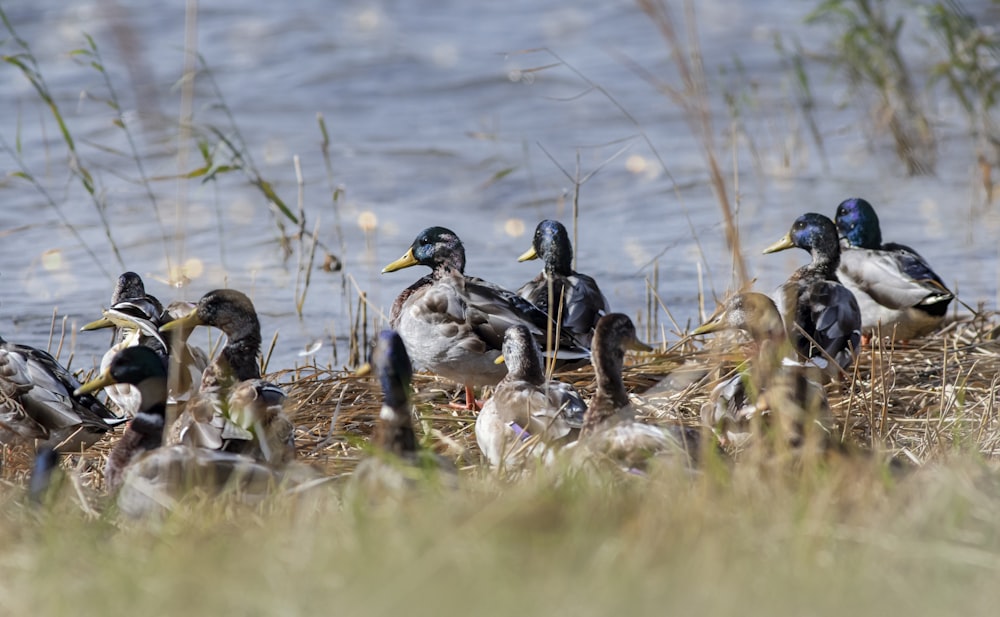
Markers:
(219, 425)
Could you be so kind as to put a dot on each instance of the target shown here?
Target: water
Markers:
(436, 118)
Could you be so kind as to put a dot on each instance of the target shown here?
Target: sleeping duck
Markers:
(559, 285)
(821, 316)
(894, 286)
(526, 412)
(38, 405)
(452, 324)
(235, 410)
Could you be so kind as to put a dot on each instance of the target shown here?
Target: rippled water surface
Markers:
(437, 116)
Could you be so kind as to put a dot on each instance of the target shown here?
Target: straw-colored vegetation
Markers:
(907, 523)
(853, 532)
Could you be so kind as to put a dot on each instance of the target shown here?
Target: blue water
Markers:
(438, 115)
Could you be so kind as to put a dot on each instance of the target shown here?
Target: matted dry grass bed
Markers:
(917, 400)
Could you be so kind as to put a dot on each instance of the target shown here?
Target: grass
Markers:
(852, 535)
(764, 536)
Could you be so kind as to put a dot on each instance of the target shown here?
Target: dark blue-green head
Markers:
(551, 244)
(814, 233)
(135, 365)
(140, 366)
(395, 372)
(858, 223)
(434, 247)
(129, 285)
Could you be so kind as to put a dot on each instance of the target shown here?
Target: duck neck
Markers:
(610, 395)
(526, 367)
(558, 262)
(394, 432)
(240, 354)
(453, 261)
(825, 260)
(148, 424)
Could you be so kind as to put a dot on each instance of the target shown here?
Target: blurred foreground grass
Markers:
(846, 536)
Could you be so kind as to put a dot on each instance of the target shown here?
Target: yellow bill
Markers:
(100, 382)
(188, 322)
(528, 255)
(781, 245)
(405, 261)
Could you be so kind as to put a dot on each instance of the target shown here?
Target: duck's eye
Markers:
(425, 240)
(798, 226)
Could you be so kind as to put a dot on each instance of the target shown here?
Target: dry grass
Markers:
(839, 536)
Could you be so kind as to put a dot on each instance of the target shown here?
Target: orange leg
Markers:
(471, 404)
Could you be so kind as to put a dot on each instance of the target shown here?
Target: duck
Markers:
(235, 409)
(821, 316)
(895, 287)
(453, 324)
(526, 405)
(610, 430)
(771, 387)
(559, 285)
(137, 322)
(38, 406)
(147, 477)
(398, 459)
(135, 317)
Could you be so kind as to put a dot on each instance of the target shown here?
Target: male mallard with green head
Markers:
(821, 316)
(559, 285)
(453, 324)
(399, 460)
(895, 287)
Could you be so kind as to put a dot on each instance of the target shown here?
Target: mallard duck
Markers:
(37, 404)
(399, 460)
(526, 405)
(893, 284)
(609, 426)
(453, 324)
(559, 285)
(235, 409)
(135, 319)
(821, 316)
(772, 386)
(149, 477)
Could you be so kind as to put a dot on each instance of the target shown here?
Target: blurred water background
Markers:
(440, 113)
